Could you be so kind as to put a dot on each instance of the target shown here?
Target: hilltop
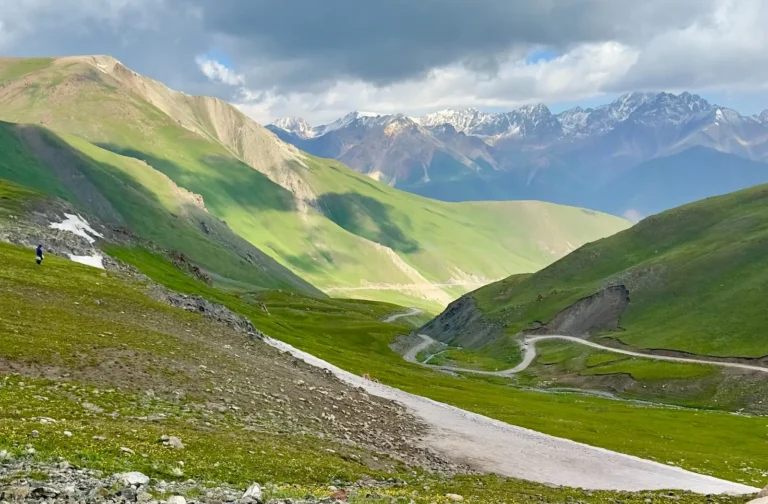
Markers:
(183, 171)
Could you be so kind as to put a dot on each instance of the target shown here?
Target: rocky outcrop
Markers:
(214, 312)
(463, 324)
(590, 315)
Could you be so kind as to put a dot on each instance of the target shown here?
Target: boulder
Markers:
(132, 478)
(254, 494)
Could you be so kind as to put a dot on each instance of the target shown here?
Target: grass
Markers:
(332, 232)
(648, 370)
(132, 193)
(11, 69)
(694, 274)
(106, 412)
(349, 334)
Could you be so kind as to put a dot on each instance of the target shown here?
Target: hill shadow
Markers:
(368, 218)
(229, 180)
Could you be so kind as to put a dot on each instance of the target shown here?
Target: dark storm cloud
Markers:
(388, 41)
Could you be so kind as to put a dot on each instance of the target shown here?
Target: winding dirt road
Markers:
(493, 446)
(391, 318)
(529, 345)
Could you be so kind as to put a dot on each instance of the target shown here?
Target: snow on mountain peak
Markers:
(295, 125)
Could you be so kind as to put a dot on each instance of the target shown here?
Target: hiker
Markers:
(39, 253)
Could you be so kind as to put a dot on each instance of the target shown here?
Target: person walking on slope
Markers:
(39, 253)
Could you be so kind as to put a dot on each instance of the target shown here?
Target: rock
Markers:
(340, 495)
(454, 497)
(759, 500)
(45, 492)
(144, 497)
(763, 493)
(19, 493)
(67, 433)
(99, 438)
(174, 443)
(253, 494)
(34, 433)
(177, 499)
(127, 450)
(132, 478)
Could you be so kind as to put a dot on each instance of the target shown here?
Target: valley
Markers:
(218, 308)
(179, 170)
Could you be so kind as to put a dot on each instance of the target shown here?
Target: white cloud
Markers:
(580, 73)
(633, 216)
(217, 72)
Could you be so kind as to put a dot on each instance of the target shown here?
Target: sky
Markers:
(320, 59)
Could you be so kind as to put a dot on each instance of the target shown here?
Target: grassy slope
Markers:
(349, 334)
(335, 244)
(141, 338)
(695, 274)
(135, 195)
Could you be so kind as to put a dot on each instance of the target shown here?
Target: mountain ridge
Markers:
(130, 136)
(528, 152)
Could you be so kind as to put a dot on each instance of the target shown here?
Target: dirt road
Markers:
(529, 345)
(492, 446)
(391, 318)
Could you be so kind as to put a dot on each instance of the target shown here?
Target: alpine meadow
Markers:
(295, 252)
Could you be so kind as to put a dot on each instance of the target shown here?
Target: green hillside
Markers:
(115, 368)
(126, 192)
(339, 230)
(697, 278)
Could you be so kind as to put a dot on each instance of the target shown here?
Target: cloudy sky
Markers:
(320, 59)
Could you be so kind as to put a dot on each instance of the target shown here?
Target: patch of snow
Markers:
(93, 260)
(77, 225)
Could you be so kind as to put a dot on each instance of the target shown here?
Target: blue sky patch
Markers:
(541, 54)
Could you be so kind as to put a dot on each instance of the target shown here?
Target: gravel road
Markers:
(529, 345)
(489, 445)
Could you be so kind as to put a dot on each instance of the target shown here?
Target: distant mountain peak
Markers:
(295, 125)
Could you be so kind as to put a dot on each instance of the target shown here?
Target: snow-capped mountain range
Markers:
(537, 120)
(466, 154)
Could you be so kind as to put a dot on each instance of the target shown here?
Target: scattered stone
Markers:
(132, 478)
(760, 500)
(763, 493)
(144, 497)
(127, 450)
(454, 497)
(99, 438)
(67, 433)
(254, 494)
(177, 499)
(172, 442)
(340, 495)
(34, 433)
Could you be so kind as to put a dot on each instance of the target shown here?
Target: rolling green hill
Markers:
(193, 156)
(697, 278)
